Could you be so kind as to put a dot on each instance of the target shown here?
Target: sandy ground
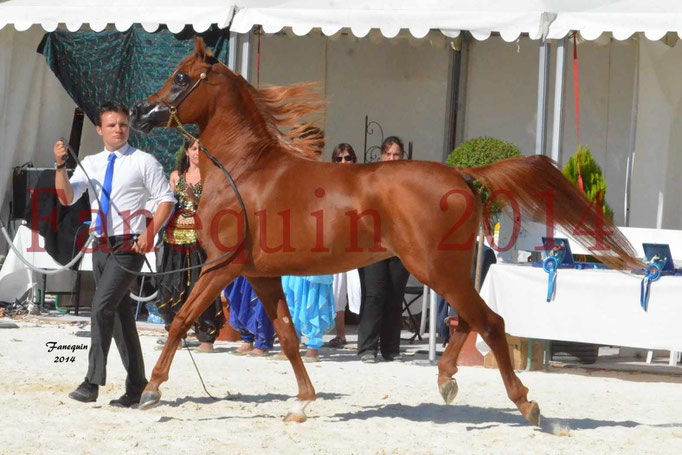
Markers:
(380, 408)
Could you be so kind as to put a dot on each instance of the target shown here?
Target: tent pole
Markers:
(245, 55)
(559, 78)
(433, 317)
(543, 82)
(232, 52)
(633, 139)
(457, 69)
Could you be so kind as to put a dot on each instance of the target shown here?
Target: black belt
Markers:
(114, 239)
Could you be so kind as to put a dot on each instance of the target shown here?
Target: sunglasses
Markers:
(344, 158)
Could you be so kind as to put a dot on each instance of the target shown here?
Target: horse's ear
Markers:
(200, 49)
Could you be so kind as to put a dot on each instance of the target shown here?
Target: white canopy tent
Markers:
(554, 18)
(123, 13)
(549, 19)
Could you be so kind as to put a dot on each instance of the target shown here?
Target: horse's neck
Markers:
(242, 147)
(237, 134)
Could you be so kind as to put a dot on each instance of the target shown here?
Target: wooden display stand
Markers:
(518, 350)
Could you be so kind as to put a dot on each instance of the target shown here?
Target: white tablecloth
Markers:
(591, 306)
(16, 278)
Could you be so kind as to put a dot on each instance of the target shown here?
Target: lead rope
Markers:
(38, 269)
(201, 379)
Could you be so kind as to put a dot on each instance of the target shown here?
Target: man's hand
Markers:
(142, 244)
(61, 178)
(145, 242)
(60, 153)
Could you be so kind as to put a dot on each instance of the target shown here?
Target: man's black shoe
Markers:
(85, 392)
(126, 400)
(393, 358)
(368, 357)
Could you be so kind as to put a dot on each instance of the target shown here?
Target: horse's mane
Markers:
(283, 108)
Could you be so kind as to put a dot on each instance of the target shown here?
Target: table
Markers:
(16, 278)
(590, 306)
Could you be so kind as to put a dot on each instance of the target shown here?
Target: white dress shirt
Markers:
(138, 178)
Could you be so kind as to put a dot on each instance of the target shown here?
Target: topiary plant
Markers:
(482, 151)
(593, 179)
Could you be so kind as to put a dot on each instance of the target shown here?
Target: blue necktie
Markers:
(106, 194)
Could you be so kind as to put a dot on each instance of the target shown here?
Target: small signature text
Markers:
(54, 346)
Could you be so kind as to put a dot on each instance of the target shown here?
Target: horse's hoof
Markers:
(297, 413)
(295, 417)
(149, 399)
(449, 391)
(532, 414)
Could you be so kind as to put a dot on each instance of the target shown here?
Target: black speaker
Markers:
(24, 179)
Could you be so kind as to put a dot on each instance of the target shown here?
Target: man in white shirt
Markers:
(125, 179)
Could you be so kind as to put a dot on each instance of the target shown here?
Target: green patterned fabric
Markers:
(126, 67)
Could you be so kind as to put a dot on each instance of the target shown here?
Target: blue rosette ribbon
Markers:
(651, 273)
(550, 265)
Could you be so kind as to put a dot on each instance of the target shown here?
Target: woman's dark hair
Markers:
(344, 147)
(182, 160)
(390, 140)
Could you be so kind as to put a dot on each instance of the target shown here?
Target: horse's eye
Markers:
(181, 79)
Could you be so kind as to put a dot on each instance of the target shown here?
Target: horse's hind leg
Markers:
(269, 291)
(469, 305)
(203, 294)
(447, 366)
(458, 289)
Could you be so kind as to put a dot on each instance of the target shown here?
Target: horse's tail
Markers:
(530, 181)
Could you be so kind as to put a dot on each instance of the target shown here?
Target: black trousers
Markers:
(112, 315)
(381, 309)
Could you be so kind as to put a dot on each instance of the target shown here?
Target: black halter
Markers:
(177, 101)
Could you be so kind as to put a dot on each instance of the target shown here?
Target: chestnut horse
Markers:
(306, 217)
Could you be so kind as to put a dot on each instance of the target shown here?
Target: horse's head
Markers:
(201, 87)
(184, 96)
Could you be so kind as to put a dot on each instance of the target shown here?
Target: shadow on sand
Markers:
(240, 398)
(487, 417)
(265, 398)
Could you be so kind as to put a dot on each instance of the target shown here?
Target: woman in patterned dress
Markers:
(181, 249)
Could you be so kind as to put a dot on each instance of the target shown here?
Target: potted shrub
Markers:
(594, 183)
(481, 152)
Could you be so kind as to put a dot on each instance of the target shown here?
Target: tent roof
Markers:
(509, 18)
(122, 13)
(555, 18)
(552, 18)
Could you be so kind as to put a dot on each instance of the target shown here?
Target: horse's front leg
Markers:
(269, 291)
(204, 293)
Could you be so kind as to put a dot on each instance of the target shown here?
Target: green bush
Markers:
(481, 152)
(593, 180)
